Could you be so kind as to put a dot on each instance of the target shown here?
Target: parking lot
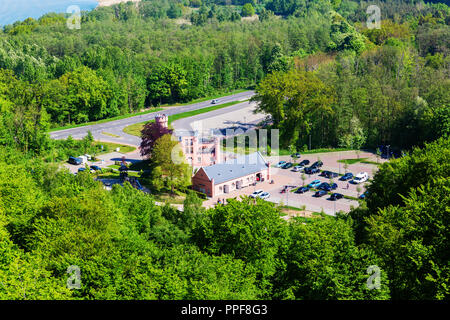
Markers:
(107, 159)
(331, 162)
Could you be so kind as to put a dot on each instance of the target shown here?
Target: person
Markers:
(218, 201)
(348, 186)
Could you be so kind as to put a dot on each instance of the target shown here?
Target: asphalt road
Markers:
(239, 117)
(116, 127)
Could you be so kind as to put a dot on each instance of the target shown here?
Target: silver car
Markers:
(264, 195)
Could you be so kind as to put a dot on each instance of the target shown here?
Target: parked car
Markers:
(317, 164)
(96, 168)
(296, 155)
(360, 177)
(323, 173)
(336, 196)
(81, 169)
(311, 170)
(346, 176)
(280, 164)
(364, 195)
(304, 163)
(330, 187)
(302, 190)
(75, 161)
(214, 101)
(264, 195)
(256, 193)
(320, 193)
(287, 165)
(314, 184)
(329, 174)
(297, 168)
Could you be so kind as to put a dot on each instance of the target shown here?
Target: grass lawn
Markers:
(110, 134)
(106, 120)
(282, 152)
(113, 175)
(135, 129)
(111, 147)
(352, 160)
(371, 162)
(169, 198)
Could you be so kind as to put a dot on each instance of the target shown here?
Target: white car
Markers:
(297, 168)
(281, 163)
(360, 177)
(264, 195)
(257, 193)
(214, 101)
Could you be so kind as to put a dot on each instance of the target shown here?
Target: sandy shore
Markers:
(105, 3)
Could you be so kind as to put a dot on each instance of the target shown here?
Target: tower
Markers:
(162, 120)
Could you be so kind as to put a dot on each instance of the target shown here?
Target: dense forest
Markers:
(318, 72)
(391, 81)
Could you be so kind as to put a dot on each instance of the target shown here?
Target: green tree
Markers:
(252, 233)
(247, 10)
(323, 262)
(413, 242)
(169, 158)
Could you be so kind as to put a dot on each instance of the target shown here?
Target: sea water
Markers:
(19, 10)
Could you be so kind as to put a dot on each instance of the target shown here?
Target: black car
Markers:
(311, 170)
(302, 190)
(324, 173)
(320, 193)
(304, 163)
(331, 174)
(331, 187)
(328, 174)
(96, 168)
(317, 164)
(323, 185)
(326, 186)
(346, 176)
(287, 165)
(75, 161)
(336, 196)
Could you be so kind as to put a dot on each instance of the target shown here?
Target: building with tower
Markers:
(201, 148)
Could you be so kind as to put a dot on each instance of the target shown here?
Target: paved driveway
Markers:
(238, 117)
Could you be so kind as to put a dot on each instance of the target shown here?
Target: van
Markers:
(361, 177)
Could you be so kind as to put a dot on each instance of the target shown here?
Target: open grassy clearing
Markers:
(111, 147)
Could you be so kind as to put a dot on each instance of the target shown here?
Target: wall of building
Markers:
(198, 153)
(201, 182)
(244, 181)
